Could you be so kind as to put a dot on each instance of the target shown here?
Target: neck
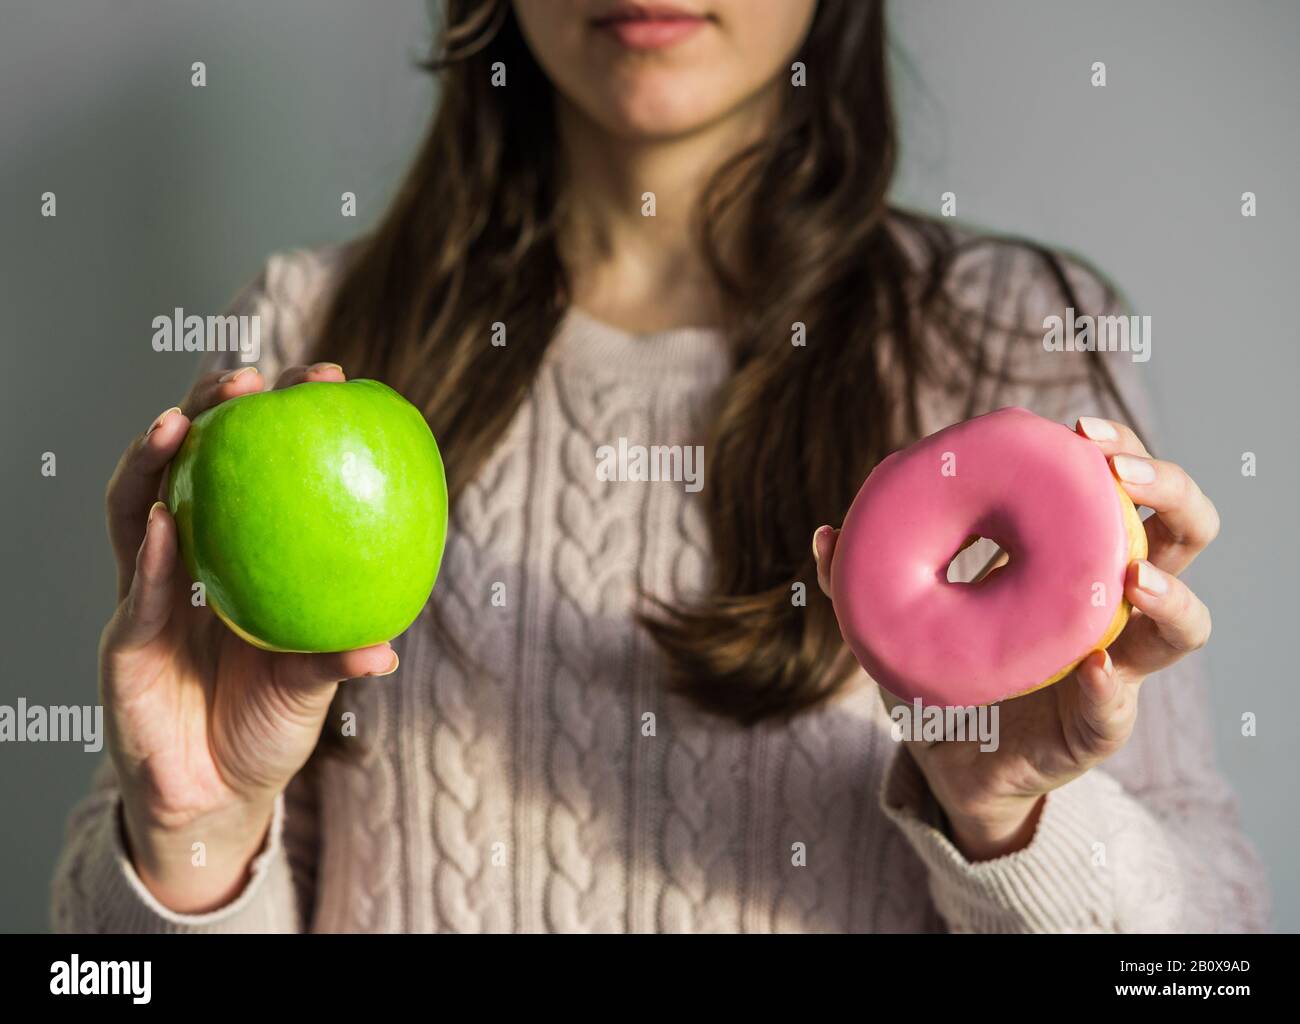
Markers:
(640, 270)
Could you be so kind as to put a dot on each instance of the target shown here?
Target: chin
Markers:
(654, 126)
(656, 110)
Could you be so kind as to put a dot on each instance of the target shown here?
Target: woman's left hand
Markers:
(1048, 737)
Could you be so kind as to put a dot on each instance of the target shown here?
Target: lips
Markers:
(649, 26)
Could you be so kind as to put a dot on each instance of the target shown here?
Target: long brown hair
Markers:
(471, 239)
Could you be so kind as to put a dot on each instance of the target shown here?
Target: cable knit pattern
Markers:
(365, 796)
(824, 788)
(588, 718)
(701, 792)
(530, 793)
(470, 755)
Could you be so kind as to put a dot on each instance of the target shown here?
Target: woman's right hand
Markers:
(204, 729)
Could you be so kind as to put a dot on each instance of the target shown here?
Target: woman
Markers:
(622, 709)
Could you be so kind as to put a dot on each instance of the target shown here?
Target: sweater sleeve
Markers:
(97, 891)
(95, 886)
(1150, 841)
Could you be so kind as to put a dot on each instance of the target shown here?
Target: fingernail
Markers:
(1151, 579)
(230, 375)
(1098, 430)
(390, 670)
(817, 535)
(1133, 470)
(1106, 664)
(162, 416)
(325, 366)
(152, 509)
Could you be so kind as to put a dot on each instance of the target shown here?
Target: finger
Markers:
(823, 547)
(309, 671)
(137, 481)
(316, 372)
(133, 488)
(212, 388)
(1185, 522)
(1100, 710)
(1173, 622)
(149, 602)
(1111, 436)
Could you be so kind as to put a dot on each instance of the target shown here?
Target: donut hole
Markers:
(969, 563)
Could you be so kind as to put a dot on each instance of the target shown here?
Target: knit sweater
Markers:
(534, 798)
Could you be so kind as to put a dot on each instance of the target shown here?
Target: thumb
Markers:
(1101, 710)
(148, 604)
(316, 671)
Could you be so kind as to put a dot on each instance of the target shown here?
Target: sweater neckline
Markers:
(583, 341)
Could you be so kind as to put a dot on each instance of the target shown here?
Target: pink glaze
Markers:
(1045, 495)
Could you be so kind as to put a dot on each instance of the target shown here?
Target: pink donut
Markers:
(1047, 496)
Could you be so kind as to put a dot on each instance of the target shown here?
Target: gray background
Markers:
(172, 196)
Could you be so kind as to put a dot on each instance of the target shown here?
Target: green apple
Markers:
(314, 516)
